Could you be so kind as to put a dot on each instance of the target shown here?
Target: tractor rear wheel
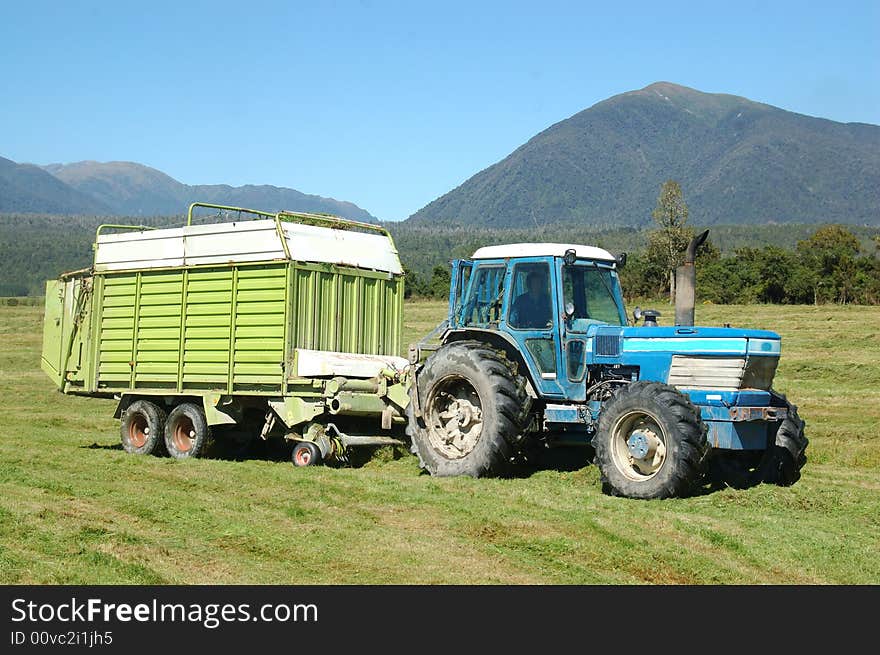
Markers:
(651, 442)
(474, 412)
(186, 432)
(143, 428)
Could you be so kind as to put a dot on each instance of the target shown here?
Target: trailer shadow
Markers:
(103, 446)
(277, 450)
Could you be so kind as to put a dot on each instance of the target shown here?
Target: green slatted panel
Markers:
(158, 330)
(347, 312)
(304, 293)
(116, 330)
(326, 319)
(258, 347)
(206, 328)
(370, 317)
(392, 315)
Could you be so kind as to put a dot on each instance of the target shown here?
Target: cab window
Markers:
(485, 294)
(530, 300)
(593, 292)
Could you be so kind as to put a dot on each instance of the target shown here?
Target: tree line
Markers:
(798, 263)
(830, 264)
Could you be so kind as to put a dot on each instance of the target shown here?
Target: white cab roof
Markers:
(541, 250)
(244, 241)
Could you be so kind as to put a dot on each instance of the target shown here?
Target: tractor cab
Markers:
(543, 300)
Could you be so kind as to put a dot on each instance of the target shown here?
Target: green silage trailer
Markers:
(276, 324)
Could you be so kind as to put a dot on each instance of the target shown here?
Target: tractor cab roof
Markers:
(514, 250)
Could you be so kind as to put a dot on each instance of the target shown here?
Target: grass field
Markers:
(76, 509)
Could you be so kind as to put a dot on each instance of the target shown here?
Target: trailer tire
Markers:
(779, 464)
(305, 453)
(187, 433)
(482, 398)
(143, 428)
(659, 424)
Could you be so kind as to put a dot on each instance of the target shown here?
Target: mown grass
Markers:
(75, 509)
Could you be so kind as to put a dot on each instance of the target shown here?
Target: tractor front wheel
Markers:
(779, 464)
(651, 442)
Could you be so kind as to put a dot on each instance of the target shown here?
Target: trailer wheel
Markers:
(779, 464)
(651, 442)
(143, 428)
(474, 412)
(186, 432)
(305, 453)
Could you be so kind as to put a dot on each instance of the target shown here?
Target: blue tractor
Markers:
(538, 351)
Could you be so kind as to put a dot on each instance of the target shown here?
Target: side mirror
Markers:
(569, 311)
(621, 260)
(570, 257)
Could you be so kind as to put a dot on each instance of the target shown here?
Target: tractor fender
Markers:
(502, 342)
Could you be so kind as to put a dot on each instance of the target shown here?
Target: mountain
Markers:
(131, 189)
(29, 189)
(738, 161)
(127, 188)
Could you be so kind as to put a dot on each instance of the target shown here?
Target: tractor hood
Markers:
(727, 366)
(703, 340)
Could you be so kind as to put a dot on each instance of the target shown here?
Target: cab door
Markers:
(532, 319)
(591, 292)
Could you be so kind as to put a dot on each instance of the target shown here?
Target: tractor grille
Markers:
(722, 373)
(606, 345)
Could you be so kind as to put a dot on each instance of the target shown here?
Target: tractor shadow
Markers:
(570, 459)
(562, 459)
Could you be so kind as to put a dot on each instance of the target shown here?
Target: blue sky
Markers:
(386, 104)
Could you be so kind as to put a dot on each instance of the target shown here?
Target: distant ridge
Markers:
(27, 188)
(738, 162)
(132, 189)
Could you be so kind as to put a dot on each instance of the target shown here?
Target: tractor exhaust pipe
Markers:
(686, 282)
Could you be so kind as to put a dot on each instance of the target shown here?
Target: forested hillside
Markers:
(738, 161)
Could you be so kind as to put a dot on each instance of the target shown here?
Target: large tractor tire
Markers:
(143, 428)
(187, 433)
(651, 442)
(780, 464)
(474, 412)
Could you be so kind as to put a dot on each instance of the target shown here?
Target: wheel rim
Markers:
(184, 434)
(454, 417)
(639, 445)
(138, 431)
(303, 456)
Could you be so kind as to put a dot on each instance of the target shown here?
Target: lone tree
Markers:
(667, 243)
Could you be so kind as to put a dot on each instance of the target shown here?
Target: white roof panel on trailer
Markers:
(311, 243)
(509, 250)
(244, 241)
(322, 363)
